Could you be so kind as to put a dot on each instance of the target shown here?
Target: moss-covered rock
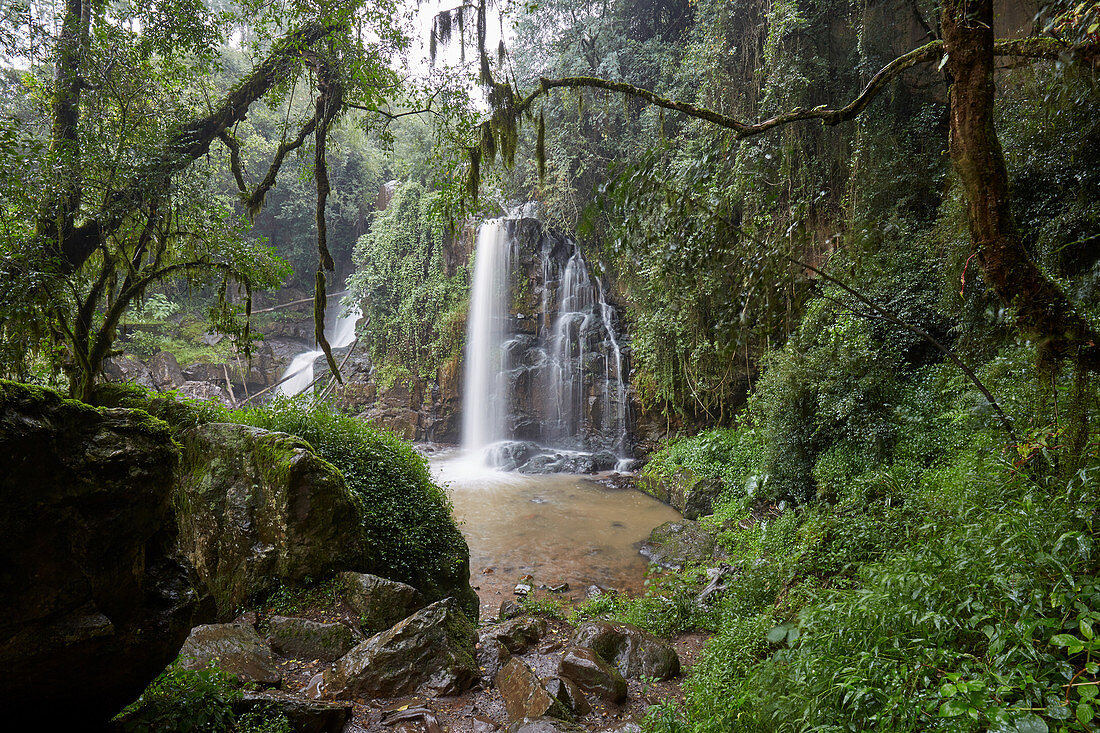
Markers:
(233, 648)
(687, 492)
(680, 543)
(96, 599)
(380, 603)
(258, 508)
(300, 638)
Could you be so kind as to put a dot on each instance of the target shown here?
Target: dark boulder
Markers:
(525, 696)
(430, 652)
(592, 674)
(518, 634)
(380, 603)
(635, 653)
(234, 648)
(680, 543)
(97, 599)
(300, 638)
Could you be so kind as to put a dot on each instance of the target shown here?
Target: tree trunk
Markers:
(1043, 311)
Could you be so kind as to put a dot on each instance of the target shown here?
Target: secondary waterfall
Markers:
(299, 375)
(545, 379)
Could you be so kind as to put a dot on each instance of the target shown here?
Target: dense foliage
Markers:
(414, 299)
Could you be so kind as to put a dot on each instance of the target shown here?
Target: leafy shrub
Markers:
(181, 701)
(406, 518)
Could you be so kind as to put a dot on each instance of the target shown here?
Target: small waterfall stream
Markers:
(544, 391)
(299, 375)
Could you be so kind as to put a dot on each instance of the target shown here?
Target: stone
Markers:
(689, 493)
(635, 653)
(678, 544)
(481, 724)
(570, 695)
(518, 634)
(305, 716)
(165, 371)
(491, 656)
(235, 648)
(509, 609)
(380, 603)
(542, 725)
(592, 674)
(628, 726)
(128, 369)
(258, 508)
(525, 696)
(96, 598)
(204, 391)
(431, 652)
(299, 638)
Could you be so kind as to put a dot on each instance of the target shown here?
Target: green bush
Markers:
(183, 701)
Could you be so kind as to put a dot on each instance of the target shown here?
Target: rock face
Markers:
(235, 648)
(691, 495)
(635, 653)
(680, 543)
(593, 675)
(256, 508)
(96, 598)
(300, 638)
(431, 652)
(380, 603)
(525, 696)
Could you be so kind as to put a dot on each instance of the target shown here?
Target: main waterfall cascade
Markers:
(299, 375)
(545, 380)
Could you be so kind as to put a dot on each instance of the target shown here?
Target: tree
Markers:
(966, 51)
(119, 200)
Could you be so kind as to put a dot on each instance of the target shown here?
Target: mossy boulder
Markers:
(380, 603)
(691, 494)
(258, 508)
(431, 652)
(678, 544)
(633, 652)
(96, 598)
(233, 648)
(301, 638)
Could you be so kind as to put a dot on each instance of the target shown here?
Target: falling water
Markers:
(543, 389)
(299, 375)
(485, 394)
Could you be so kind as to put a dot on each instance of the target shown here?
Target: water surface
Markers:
(557, 528)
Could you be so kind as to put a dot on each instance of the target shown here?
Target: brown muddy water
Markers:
(558, 528)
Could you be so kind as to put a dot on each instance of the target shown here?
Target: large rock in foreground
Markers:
(525, 696)
(96, 599)
(257, 508)
(431, 652)
(235, 648)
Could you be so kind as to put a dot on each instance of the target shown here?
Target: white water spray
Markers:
(299, 375)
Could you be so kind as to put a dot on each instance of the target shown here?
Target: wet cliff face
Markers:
(566, 364)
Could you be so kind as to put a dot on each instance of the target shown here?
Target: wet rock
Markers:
(592, 674)
(558, 588)
(380, 603)
(257, 508)
(128, 369)
(510, 455)
(96, 598)
(542, 725)
(165, 371)
(525, 696)
(491, 656)
(235, 648)
(522, 589)
(299, 638)
(204, 391)
(518, 634)
(678, 544)
(305, 716)
(431, 652)
(570, 695)
(595, 591)
(689, 493)
(481, 724)
(204, 372)
(635, 653)
(627, 727)
(509, 609)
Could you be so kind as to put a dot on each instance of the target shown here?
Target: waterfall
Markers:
(545, 376)
(484, 388)
(299, 375)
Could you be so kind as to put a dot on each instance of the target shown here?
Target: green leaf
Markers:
(953, 708)
(948, 690)
(1086, 628)
(1064, 640)
(1085, 713)
(1031, 723)
(1087, 692)
(776, 635)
